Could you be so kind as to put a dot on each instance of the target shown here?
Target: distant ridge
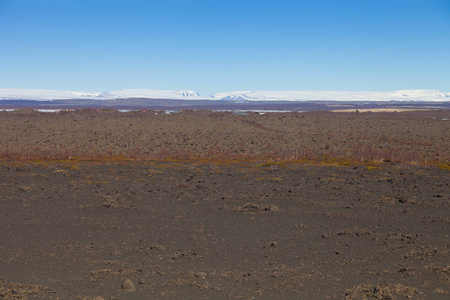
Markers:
(400, 95)
(46, 95)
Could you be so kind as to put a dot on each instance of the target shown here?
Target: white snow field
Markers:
(45, 95)
(400, 95)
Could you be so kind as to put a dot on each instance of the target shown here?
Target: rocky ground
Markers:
(221, 228)
(150, 135)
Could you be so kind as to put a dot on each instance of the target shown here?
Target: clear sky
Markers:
(225, 45)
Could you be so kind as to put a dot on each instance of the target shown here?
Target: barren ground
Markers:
(216, 205)
(421, 136)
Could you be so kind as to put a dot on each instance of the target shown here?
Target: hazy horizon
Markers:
(216, 92)
(400, 95)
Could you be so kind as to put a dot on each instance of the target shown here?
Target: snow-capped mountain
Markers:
(43, 95)
(401, 95)
(151, 94)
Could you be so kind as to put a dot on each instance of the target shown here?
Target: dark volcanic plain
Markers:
(160, 104)
(204, 205)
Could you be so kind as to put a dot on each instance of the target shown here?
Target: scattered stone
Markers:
(128, 286)
(271, 245)
(184, 253)
(402, 199)
(25, 189)
(157, 247)
(365, 291)
(253, 207)
(116, 202)
(201, 275)
(271, 207)
(250, 207)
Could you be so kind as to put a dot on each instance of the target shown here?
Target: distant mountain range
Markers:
(45, 95)
(400, 95)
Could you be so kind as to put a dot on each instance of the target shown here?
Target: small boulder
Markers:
(128, 286)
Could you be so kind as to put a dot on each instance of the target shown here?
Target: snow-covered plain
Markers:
(400, 95)
(151, 94)
(45, 95)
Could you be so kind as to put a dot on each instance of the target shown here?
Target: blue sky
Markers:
(225, 45)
